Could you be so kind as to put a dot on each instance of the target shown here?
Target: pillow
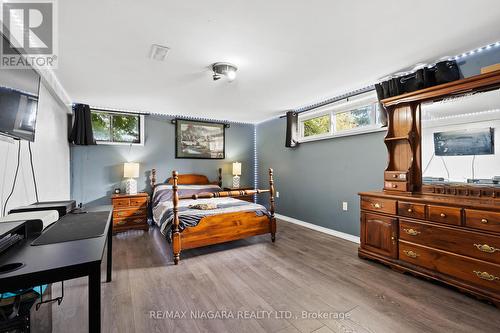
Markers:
(163, 192)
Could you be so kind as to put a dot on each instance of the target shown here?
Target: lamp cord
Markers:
(429, 163)
(15, 177)
(33, 171)
(473, 171)
(446, 168)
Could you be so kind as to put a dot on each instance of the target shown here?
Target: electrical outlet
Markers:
(344, 206)
(277, 194)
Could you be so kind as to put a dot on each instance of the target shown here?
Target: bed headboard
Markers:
(190, 179)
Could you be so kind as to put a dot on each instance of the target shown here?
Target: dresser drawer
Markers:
(139, 202)
(444, 214)
(482, 220)
(121, 203)
(413, 210)
(468, 243)
(129, 212)
(396, 186)
(395, 176)
(467, 269)
(129, 221)
(378, 204)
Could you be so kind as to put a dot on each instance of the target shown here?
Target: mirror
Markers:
(458, 139)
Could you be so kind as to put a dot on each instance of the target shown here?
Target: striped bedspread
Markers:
(189, 217)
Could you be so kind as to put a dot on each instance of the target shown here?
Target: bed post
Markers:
(153, 178)
(271, 205)
(220, 177)
(176, 235)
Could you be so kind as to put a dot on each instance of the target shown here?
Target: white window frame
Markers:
(340, 107)
(113, 143)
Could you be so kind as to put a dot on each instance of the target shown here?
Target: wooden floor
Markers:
(303, 271)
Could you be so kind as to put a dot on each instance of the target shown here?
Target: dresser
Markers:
(453, 241)
(431, 227)
(130, 212)
(248, 198)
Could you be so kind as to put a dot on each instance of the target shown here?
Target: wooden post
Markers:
(271, 205)
(153, 178)
(176, 235)
(220, 177)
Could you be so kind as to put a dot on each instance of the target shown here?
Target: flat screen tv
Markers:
(19, 89)
(465, 142)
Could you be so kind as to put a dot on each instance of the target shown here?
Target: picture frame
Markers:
(196, 139)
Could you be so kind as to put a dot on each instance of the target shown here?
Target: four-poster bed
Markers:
(190, 228)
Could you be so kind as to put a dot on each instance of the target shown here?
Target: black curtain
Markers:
(292, 120)
(81, 134)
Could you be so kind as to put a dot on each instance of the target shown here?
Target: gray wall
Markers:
(50, 157)
(97, 170)
(316, 177)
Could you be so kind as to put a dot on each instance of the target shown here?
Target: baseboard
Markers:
(328, 231)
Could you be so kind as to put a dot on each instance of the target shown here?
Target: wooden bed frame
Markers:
(218, 228)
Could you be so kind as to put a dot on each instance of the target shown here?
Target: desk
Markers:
(51, 263)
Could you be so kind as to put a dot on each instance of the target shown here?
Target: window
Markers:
(317, 126)
(117, 128)
(359, 118)
(340, 119)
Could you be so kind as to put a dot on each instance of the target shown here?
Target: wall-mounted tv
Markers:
(19, 89)
(465, 142)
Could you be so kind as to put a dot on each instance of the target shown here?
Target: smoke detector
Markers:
(226, 69)
(158, 52)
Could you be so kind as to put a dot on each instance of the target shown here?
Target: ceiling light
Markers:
(221, 69)
(158, 52)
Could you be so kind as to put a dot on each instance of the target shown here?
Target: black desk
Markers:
(51, 263)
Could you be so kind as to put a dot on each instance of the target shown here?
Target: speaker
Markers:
(292, 121)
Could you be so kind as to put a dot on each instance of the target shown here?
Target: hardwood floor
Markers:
(303, 271)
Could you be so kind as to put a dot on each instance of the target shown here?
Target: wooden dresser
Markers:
(448, 232)
(454, 241)
(130, 212)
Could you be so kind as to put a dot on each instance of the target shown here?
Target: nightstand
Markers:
(130, 212)
(248, 198)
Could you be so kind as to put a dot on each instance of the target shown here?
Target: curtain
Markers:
(292, 120)
(81, 134)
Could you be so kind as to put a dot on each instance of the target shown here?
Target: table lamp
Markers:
(236, 174)
(131, 171)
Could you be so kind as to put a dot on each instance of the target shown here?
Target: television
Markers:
(19, 90)
(465, 142)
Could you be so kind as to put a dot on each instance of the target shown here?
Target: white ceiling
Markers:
(290, 53)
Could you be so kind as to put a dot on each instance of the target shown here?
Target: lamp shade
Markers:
(236, 169)
(131, 170)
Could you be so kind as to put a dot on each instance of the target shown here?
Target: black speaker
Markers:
(292, 121)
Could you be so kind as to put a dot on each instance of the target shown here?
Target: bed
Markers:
(187, 227)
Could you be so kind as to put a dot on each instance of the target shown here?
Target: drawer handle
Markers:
(411, 232)
(410, 210)
(394, 185)
(377, 205)
(486, 276)
(484, 221)
(410, 253)
(394, 176)
(486, 248)
(122, 222)
(442, 215)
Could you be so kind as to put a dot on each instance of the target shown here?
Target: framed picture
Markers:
(198, 139)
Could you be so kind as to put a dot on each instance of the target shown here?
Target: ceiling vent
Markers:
(158, 52)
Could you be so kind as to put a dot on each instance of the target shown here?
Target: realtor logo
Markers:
(28, 34)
